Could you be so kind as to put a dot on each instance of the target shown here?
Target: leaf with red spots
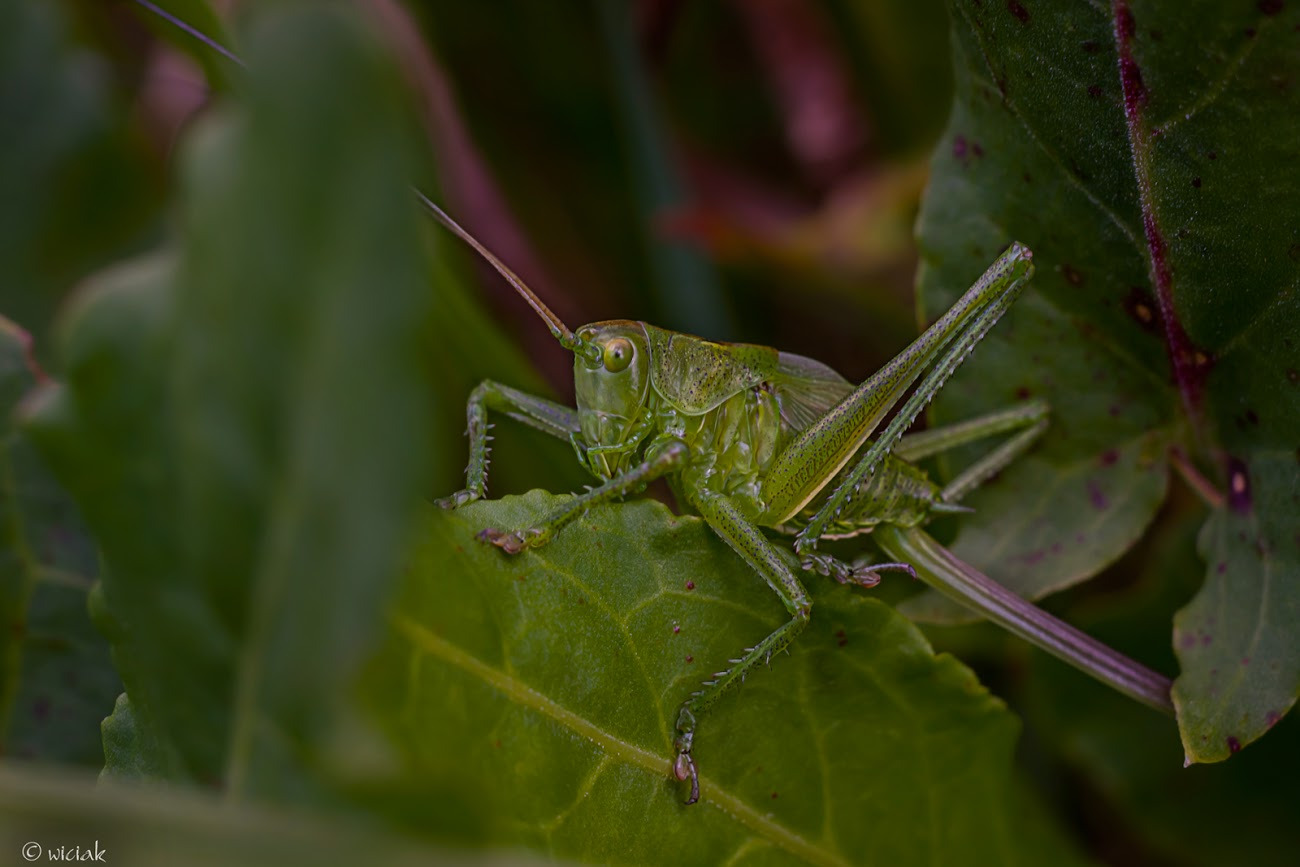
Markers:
(1237, 639)
(1238, 812)
(1145, 153)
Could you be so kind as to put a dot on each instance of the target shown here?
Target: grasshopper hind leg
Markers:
(1028, 422)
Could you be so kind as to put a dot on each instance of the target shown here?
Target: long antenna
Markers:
(193, 31)
(559, 330)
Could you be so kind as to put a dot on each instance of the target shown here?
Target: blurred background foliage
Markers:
(741, 170)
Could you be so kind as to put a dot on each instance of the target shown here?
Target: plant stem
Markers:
(963, 583)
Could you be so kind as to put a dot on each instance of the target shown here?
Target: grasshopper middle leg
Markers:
(661, 458)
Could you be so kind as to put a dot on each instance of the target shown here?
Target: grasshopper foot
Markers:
(865, 575)
(512, 542)
(683, 765)
(683, 769)
(456, 500)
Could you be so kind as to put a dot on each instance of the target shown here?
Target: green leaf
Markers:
(1237, 639)
(1142, 153)
(245, 422)
(56, 679)
(129, 753)
(559, 673)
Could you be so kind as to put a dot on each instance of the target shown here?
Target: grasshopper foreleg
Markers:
(545, 415)
(661, 458)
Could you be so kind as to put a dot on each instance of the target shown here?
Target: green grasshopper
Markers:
(752, 438)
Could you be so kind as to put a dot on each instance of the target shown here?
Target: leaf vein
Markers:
(630, 754)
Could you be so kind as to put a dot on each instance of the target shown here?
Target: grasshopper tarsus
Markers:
(683, 767)
(510, 542)
(456, 500)
(865, 578)
(865, 575)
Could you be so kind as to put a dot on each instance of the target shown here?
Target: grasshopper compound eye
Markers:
(618, 354)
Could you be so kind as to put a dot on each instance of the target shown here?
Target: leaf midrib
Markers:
(655, 765)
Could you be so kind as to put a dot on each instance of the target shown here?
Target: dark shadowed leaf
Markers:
(245, 422)
(56, 679)
(1141, 151)
(76, 189)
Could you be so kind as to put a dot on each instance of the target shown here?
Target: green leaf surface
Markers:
(1237, 639)
(245, 422)
(558, 674)
(130, 753)
(1142, 152)
(56, 679)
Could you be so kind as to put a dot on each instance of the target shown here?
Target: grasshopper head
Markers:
(611, 366)
(611, 384)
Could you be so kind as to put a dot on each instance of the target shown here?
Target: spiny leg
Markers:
(818, 453)
(1030, 420)
(917, 446)
(952, 357)
(992, 463)
(661, 458)
(747, 541)
(545, 415)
